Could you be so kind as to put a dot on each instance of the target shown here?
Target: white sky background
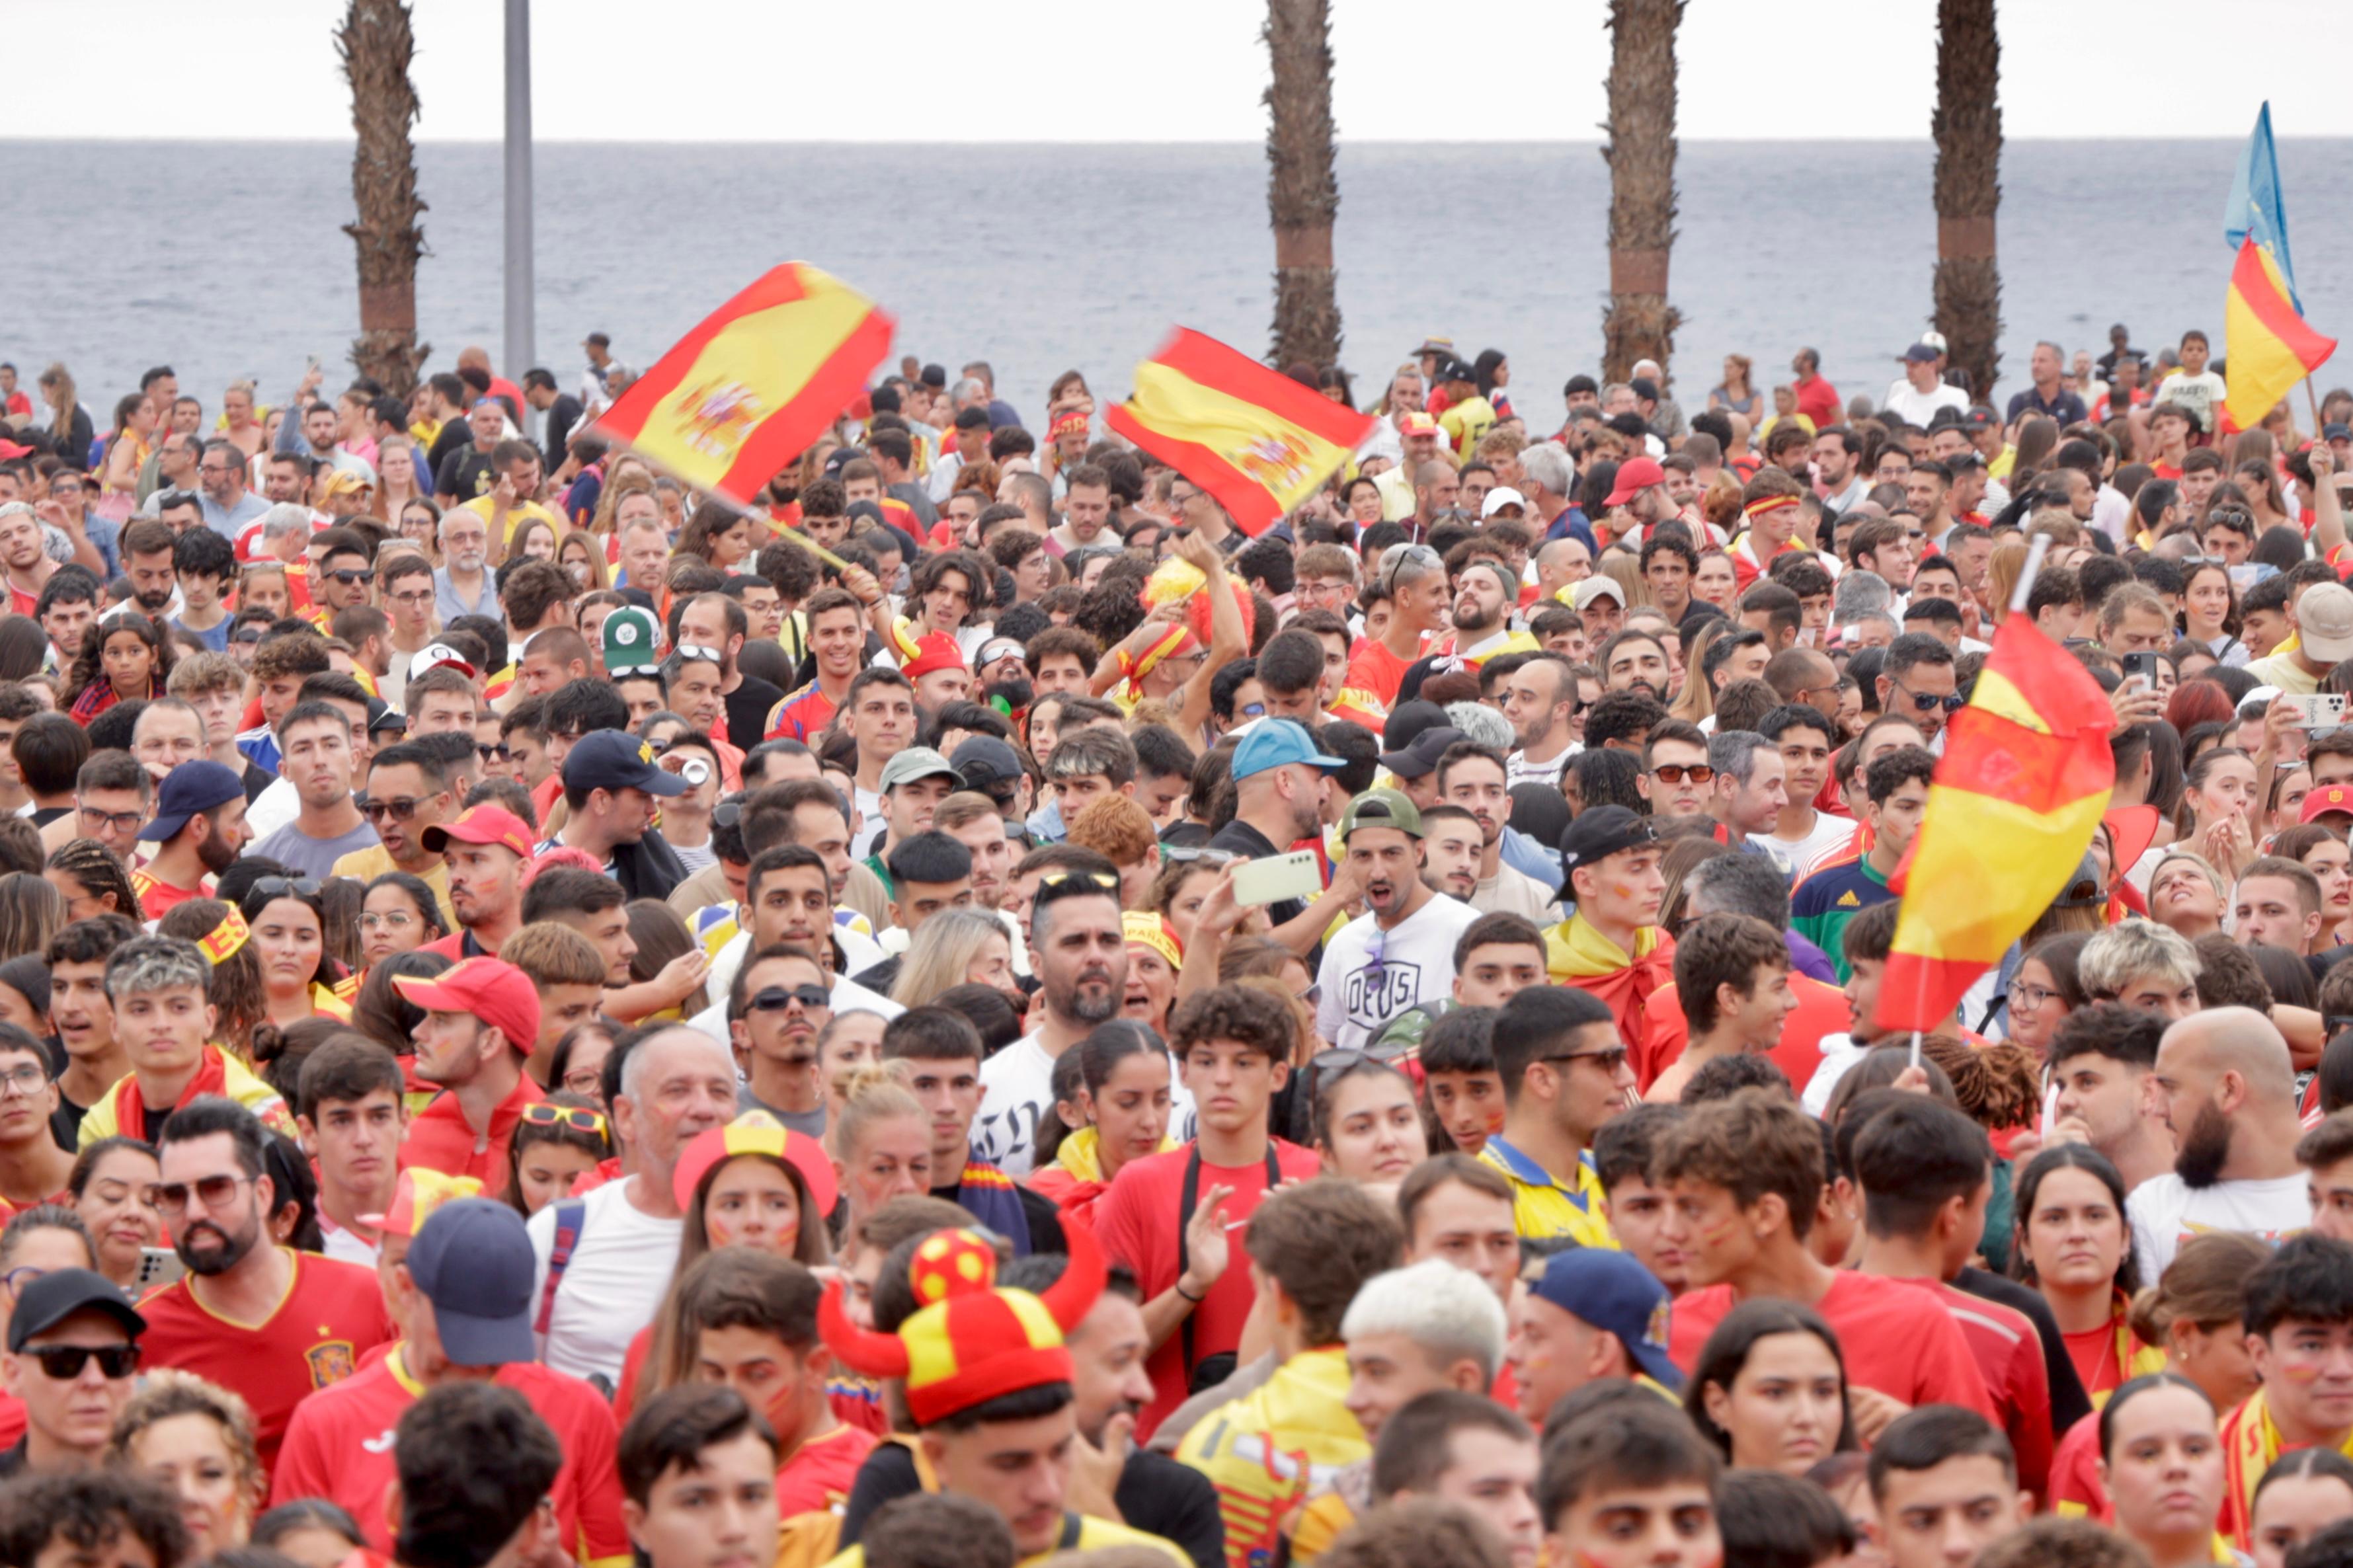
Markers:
(1055, 70)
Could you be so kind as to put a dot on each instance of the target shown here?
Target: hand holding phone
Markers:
(1273, 879)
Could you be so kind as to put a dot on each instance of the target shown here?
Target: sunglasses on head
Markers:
(777, 999)
(1097, 879)
(280, 887)
(578, 1118)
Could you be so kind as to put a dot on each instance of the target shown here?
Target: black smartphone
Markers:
(2142, 664)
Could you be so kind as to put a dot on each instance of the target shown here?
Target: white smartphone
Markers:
(1275, 878)
(159, 1266)
(2320, 711)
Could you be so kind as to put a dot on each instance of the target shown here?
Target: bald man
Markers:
(1560, 564)
(2224, 1086)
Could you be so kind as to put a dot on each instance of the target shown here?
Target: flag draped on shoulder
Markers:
(2017, 795)
(1254, 438)
(753, 385)
(2269, 347)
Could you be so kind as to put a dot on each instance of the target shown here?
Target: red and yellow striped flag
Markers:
(1254, 438)
(2269, 347)
(739, 396)
(2018, 794)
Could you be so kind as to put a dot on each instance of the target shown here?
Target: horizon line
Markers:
(1344, 143)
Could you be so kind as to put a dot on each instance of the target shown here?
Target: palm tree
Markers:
(1967, 127)
(1303, 195)
(376, 44)
(1640, 323)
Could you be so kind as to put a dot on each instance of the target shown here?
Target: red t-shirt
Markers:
(339, 1447)
(1373, 668)
(158, 898)
(1894, 1339)
(820, 1474)
(332, 1314)
(1136, 1221)
(1821, 1010)
(439, 1138)
(1818, 400)
(2076, 1489)
(2010, 1357)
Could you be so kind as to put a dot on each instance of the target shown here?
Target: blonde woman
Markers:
(70, 428)
(196, 1438)
(1695, 701)
(396, 472)
(954, 947)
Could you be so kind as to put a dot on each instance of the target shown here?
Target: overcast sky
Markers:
(1029, 70)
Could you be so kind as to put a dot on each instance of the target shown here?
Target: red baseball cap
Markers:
(1635, 476)
(934, 651)
(481, 824)
(1415, 422)
(2321, 802)
(757, 1132)
(497, 993)
(12, 450)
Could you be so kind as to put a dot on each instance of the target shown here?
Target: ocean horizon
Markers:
(228, 260)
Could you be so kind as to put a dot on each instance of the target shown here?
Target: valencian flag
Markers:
(2018, 794)
(2269, 347)
(1252, 438)
(759, 379)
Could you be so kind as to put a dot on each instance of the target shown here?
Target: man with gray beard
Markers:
(2224, 1084)
(1078, 949)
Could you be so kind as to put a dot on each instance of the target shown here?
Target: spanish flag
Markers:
(2269, 347)
(762, 376)
(1254, 438)
(2018, 795)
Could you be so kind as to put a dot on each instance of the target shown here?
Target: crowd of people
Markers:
(963, 1009)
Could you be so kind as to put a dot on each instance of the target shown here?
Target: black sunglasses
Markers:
(777, 999)
(347, 578)
(64, 1362)
(280, 887)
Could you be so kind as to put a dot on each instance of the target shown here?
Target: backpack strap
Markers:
(571, 1219)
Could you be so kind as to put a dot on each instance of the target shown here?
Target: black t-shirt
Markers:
(749, 707)
(454, 434)
(562, 416)
(65, 1123)
(466, 474)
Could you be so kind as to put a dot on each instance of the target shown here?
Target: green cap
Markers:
(1381, 808)
(628, 636)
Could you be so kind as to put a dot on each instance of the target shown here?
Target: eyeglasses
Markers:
(397, 919)
(400, 808)
(1675, 773)
(17, 1278)
(269, 888)
(575, 1118)
(63, 1363)
(727, 814)
(26, 1080)
(777, 999)
(247, 634)
(211, 1192)
(1924, 702)
(2029, 997)
(584, 1080)
(423, 597)
(103, 824)
(347, 578)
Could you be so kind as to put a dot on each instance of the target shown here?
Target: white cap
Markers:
(1501, 496)
(1601, 585)
(1935, 340)
(436, 654)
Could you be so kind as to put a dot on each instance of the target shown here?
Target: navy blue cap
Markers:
(1272, 743)
(609, 759)
(58, 1295)
(985, 760)
(1616, 1295)
(189, 789)
(472, 1259)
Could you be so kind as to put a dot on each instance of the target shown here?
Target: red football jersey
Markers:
(332, 1312)
(340, 1447)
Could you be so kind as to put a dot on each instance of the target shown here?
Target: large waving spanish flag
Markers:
(2019, 792)
(740, 396)
(2269, 347)
(1254, 438)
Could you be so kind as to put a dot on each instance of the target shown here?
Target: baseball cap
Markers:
(756, 1132)
(628, 643)
(59, 1294)
(1416, 422)
(2336, 432)
(1933, 339)
(1421, 755)
(935, 375)
(416, 1193)
(1600, 833)
(2084, 889)
(608, 759)
(1611, 1291)
(383, 718)
(2324, 617)
(1455, 370)
(1408, 720)
(1920, 354)
(1635, 476)
(934, 651)
(1501, 496)
(188, 789)
(472, 1259)
(1981, 418)
(492, 990)
(984, 760)
(2320, 802)
(1599, 586)
(436, 655)
(1381, 808)
(1275, 743)
(915, 763)
(481, 824)
(12, 450)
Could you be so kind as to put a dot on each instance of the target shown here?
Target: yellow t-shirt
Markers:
(366, 865)
(517, 514)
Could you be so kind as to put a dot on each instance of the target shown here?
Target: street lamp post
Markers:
(519, 329)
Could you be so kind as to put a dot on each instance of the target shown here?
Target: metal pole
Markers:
(521, 332)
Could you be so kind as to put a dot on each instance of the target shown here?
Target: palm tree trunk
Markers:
(376, 44)
(1967, 127)
(1303, 194)
(1639, 323)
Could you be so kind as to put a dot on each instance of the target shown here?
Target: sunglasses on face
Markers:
(1608, 1059)
(63, 1363)
(399, 809)
(492, 753)
(1924, 701)
(577, 1118)
(1675, 773)
(347, 578)
(211, 1193)
(777, 999)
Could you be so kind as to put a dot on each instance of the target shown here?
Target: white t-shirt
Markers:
(1918, 407)
(1828, 833)
(1417, 965)
(612, 1286)
(2166, 1211)
(1017, 1095)
(869, 821)
(1519, 770)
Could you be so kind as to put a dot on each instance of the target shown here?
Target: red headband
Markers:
(1768, 503)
